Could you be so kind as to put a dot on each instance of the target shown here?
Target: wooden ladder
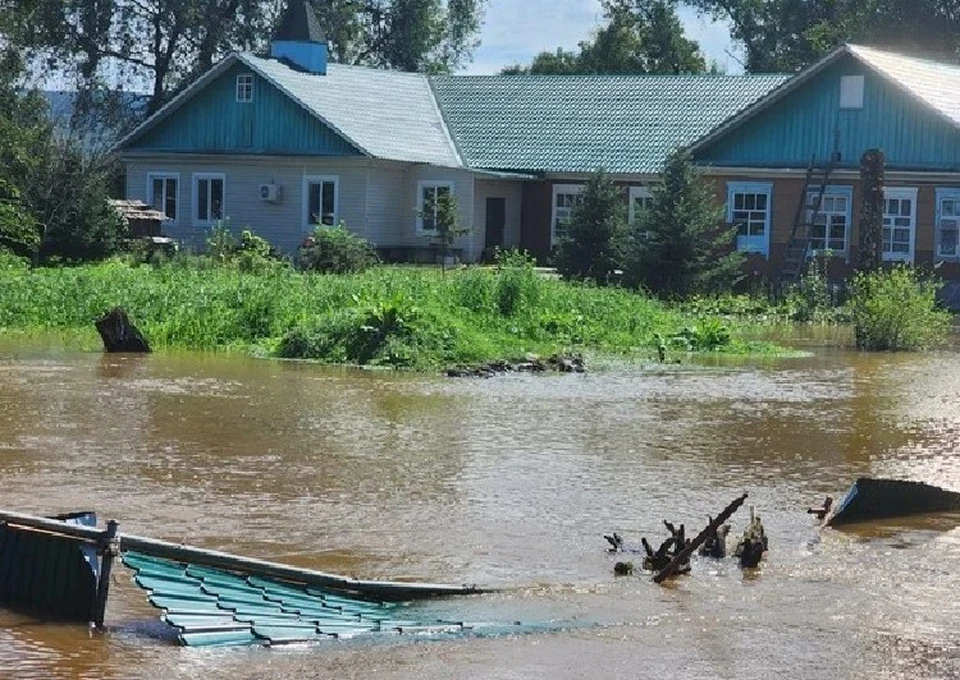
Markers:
(798, 250)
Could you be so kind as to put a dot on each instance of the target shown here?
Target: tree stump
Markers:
(119, 334)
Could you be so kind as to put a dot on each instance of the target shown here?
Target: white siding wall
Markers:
(512, 191)
(281, 223)
(463, 190)
(377, 199)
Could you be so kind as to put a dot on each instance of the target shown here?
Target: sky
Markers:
(515, 31)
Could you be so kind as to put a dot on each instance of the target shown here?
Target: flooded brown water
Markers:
(509, 482)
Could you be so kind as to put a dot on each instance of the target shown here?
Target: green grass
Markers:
(398, 316)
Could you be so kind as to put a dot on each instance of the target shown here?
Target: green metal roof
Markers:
(207, 607)
(623, 124)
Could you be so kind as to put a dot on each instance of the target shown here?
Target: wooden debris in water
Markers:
(716, 543)
(753, 543)
(681, 557)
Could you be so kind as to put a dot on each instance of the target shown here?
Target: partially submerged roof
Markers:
(623, 124)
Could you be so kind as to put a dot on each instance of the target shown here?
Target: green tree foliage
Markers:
(336, 251)
(680, 246)
(592, 247)
(896, 310)
(640, 36)
(162, 42)
(788, 35)
(53, 199)
(432, 36)
(441, 222)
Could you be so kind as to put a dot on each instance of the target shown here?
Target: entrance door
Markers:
(496, 221)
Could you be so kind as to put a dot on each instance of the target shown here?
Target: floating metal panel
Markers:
(46, 575)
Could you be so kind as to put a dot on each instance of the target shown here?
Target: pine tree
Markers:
(596, 233)
(680, 246)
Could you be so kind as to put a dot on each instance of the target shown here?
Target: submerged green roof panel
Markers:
(623, 124)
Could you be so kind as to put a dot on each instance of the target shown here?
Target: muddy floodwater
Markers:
(511, 483)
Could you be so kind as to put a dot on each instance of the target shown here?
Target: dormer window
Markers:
(245, 88)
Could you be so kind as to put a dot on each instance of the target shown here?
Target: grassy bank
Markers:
(397, 316)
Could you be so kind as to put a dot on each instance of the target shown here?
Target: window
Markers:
(749, 209)
(640, 200)
(429, 198)
(948, 223)
(899, 223)
(162, 193)
(320, 201)
(565, 197)
(830, 225)
(851, 92)
(245, 88)
(207, 198)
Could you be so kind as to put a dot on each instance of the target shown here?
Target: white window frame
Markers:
(429, 184)
(151, 177)
(641, 192)
(244, 88)
(952, 194)
(195, 203)
(902, 194)
(561, 189)
(320, 179)
(752, 244)
(832, 191)
(852, 92)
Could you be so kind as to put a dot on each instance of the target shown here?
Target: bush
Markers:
(811, 298)
(336, 251)
(594, 243)
(518, 284)
(896, 310)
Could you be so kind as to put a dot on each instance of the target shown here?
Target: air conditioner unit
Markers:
(270, 192)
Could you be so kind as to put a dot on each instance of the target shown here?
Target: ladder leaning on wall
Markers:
(798, 250)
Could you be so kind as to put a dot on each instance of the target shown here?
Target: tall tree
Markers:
(680, 245)
(788, 35)
(129, 42)
(410, 35)
(640, 36)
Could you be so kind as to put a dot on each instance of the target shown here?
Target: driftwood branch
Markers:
(684, 552)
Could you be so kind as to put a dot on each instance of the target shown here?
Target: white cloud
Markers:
(517, 30)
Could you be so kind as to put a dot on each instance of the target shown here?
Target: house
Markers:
(285, 143)
(853, 100)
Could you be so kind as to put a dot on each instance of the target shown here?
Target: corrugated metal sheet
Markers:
(214, 607)
(212, 121)
(624, 124)
(913, 133)
(47, 575)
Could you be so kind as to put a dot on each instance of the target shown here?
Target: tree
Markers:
(788, 35)
(640, 36)
(111, 43)
(432, 36)
(680, 245)
(441, 222)
(594, 242)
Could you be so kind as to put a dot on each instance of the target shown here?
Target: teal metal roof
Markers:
(387, 114)
(623, 124)
(208, 607)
